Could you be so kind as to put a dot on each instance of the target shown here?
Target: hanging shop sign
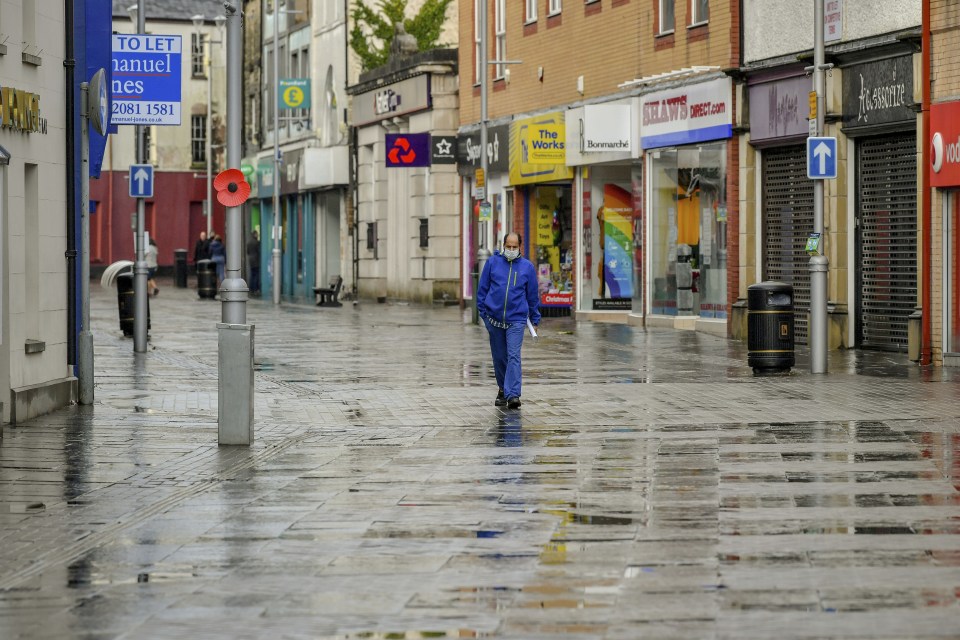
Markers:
(294, 93)
(945, 144)
(408, 149)
(779, 109)
(603, 132)
(146, 82)
(498, 150)
(687, 115)
(397, 99)
(877, 93)
(524, 168)
(20, 111)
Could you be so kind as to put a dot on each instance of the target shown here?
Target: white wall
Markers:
(35, 273)
(773, 28)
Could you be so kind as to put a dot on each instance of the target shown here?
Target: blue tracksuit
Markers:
(507, 296)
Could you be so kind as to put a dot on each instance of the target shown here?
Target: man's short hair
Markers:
(514, 233)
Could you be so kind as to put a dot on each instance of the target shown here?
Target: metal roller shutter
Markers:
(788, 222)
(887, 239)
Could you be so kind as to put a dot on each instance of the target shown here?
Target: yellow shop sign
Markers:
(538, 149)
(20, 111)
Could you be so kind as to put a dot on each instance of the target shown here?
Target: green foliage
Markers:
(372, 32)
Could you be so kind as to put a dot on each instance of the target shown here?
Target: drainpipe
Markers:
(926, 205)
(70, 68)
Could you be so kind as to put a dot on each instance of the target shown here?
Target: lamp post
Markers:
(198, 22)
(275, 256)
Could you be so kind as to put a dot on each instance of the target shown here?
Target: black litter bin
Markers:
(770, 341)
(126, 303)
(180, 268)
(206, 279)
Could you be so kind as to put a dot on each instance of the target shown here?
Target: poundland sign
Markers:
(20, 111)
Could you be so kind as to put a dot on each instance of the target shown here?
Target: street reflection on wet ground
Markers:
(650, 486)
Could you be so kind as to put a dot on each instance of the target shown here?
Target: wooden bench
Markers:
(327, 296)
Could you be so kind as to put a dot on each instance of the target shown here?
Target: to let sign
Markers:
(146, 79)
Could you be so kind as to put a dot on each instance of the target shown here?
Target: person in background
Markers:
(508, 296)
(150, 255)
(201, 250)
(218, 253)
(253, 262)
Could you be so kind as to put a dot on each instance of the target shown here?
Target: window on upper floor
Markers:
(198, 139)
(531, 11)
(555, 7)
(198, 65)
(666, 16)
(476, 42)
(500, 20)
(701, 11)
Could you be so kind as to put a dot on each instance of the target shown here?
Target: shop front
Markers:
(778, 132)
(483, 227)
(945, 177)
(877, 115)
(685, 135)
(543, 206)
(608, 214)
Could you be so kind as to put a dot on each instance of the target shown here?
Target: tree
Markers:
(373, 30)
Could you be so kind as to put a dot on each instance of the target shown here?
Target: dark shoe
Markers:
(500, 401)
(513, 403)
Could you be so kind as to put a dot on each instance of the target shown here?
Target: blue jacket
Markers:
(508, 290)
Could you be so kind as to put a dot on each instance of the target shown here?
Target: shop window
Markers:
(552, 242)
(610, 249)
(688, 230)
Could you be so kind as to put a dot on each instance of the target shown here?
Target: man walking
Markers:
(253, 262)
(201, 251)
(506, 299)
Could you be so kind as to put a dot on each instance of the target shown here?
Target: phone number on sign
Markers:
(128, 112)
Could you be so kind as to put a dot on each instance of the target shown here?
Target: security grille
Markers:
(788, 222)
(887, 239)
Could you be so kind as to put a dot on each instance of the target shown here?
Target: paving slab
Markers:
(650, 486)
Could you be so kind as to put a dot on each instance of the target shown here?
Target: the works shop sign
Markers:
(20, 111)
(498, 151)
(878, 93)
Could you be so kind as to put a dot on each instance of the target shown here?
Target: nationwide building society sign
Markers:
(146, 79)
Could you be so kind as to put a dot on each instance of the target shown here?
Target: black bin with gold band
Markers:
(770, 340)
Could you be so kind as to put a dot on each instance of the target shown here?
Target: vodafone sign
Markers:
(945, 144)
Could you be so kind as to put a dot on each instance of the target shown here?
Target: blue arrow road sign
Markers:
(141, 181)
(821, 158)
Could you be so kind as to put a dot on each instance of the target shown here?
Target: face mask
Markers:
(511, 254)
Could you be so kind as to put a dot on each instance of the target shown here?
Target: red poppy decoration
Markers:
(232, 189)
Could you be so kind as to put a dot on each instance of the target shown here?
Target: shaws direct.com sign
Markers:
(146, 79)
(695, 113)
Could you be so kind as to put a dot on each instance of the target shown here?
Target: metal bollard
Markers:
(476, 285)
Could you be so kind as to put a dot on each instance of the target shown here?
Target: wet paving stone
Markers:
(650, 486)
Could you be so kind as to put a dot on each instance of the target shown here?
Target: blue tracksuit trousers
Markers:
(505, 346)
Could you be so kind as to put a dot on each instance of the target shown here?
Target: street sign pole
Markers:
(85, 359)
(140, 263)
(819, 263)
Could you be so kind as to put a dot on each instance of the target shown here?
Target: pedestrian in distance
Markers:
(150, 255)
(253, 262)
(201, 250)
(507, 299)
(218, 253)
